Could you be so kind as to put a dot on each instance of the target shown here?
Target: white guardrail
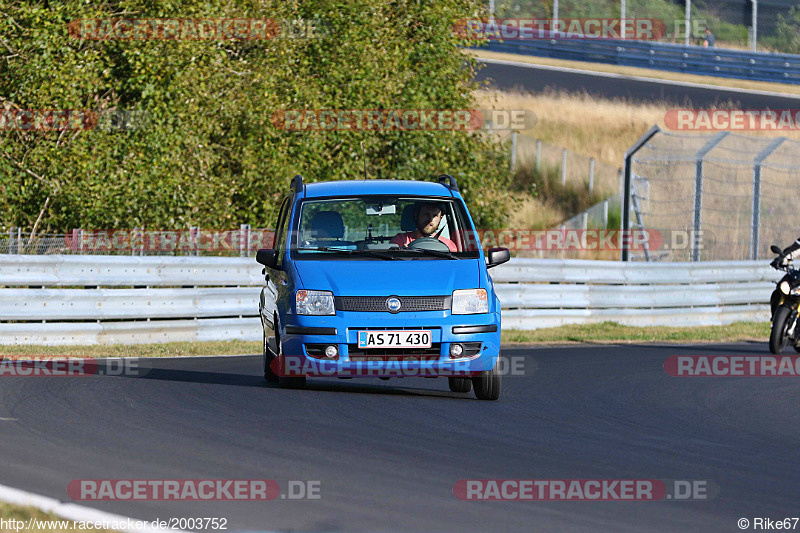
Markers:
(65, 299)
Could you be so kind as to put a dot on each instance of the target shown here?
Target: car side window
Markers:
(280, 229)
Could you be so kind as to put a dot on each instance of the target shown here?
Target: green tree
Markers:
(204, 151)
(787, 31)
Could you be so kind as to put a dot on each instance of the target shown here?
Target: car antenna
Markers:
(364, 156)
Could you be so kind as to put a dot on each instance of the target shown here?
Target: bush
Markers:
(545, 184)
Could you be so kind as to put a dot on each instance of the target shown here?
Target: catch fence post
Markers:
(697, 219)
(756, 220)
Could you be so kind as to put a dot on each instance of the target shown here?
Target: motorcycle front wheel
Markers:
(780, 323)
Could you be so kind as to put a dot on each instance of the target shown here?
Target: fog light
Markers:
(456, 350)
(331, 351)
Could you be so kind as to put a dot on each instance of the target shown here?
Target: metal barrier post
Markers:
(513, 151)
(248, 239)
(244, 239)
(538, 155)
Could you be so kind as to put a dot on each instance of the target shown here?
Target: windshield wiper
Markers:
(437, 253)
(370, 253)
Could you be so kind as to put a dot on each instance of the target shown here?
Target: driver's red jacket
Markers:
(403, 239)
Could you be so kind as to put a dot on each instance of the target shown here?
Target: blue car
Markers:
(380, 278)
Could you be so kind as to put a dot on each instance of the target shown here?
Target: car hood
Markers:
(384, 278)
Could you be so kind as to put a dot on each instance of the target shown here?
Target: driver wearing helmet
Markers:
(789, 253)
(428, 216)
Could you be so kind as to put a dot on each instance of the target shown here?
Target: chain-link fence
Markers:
(720, 196)
(569, 168)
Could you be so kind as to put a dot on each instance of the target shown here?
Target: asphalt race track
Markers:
(536, 78)
(387, 454)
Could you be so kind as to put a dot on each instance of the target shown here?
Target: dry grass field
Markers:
(594, 127)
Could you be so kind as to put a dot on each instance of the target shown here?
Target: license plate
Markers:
(394, 339)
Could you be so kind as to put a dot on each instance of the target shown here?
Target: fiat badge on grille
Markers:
(393, 304)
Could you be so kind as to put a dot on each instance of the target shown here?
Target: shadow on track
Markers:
(313, 384)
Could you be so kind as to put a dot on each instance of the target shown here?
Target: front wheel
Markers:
(269, 375)
(780, 323)
(287, 382)
(487, 384)
(460, 384)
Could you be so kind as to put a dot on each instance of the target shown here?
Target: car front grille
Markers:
(394, 354)
(377, 304)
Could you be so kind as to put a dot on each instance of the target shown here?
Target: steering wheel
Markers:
(428, 243)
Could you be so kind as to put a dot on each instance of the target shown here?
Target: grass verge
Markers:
(588, 333)
(170, 349)
(608, 332)
(22, 513)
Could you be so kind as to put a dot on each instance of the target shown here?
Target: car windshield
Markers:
(383, 227)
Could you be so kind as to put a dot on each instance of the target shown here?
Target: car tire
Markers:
(287, 382)
(487, 384)
(269, 375)
(460, 384)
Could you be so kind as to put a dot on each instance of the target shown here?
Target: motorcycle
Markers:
(784, 305)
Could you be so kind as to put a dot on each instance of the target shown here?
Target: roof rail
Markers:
(297, 184)
(448, 181)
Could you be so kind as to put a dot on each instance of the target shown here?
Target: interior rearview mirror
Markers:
(390, 209)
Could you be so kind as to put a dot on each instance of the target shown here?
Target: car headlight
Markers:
(314, 303)
(470, 302)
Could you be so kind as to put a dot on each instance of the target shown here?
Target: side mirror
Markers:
(497, 256)
(267, 257)
(775, 250)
